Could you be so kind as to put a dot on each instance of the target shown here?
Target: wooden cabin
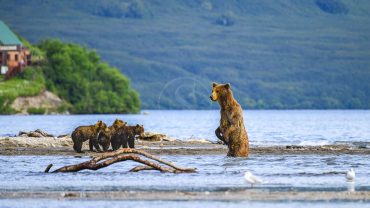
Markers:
(13, 55)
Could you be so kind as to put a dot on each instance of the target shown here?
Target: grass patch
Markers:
(30, 83)
(37, 111)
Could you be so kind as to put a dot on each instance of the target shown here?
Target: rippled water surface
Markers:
(183, 204)
(265, 127)
(215, 172)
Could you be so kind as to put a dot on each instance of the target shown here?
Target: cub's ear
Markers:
(214, 84)
(227, 86)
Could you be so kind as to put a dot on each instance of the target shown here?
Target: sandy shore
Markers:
(239, 195)
(63, 146)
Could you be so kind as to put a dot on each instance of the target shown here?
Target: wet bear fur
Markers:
(231, 130)
(84, 133)
(125, 136)
(104, 138)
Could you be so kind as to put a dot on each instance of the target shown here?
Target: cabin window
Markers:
(16, 57)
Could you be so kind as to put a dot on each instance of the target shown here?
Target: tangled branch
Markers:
(120, 155)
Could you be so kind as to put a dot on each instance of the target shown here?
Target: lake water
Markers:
(215, 172)
(265, 127)
(184, 204)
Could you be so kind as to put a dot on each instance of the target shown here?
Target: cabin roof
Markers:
(7, 37)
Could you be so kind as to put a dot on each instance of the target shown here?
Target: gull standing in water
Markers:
(252, 179)
(351, 175)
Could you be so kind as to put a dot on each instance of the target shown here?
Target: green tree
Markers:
(91, 86)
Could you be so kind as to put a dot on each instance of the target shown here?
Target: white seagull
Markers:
(351, 175)
(252, 179)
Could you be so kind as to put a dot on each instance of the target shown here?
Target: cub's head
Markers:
(118, 123)
(101, 126)
(139, 129)
(219, 91)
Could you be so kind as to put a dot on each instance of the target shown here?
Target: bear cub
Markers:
(84, 133)
(125, 136)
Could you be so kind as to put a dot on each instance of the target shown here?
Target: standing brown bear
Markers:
(84, 133)
(231, 130)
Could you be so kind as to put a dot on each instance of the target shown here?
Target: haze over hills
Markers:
(275, 53)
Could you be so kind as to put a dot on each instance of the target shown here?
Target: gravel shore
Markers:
(63, 146)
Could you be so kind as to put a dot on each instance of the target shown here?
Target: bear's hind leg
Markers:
(77, 146)
(115, 142)
(124, 142)
(131, 142)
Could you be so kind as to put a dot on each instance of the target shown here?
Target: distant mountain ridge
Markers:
(281, 54)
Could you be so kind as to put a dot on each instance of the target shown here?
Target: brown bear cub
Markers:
(104, 137)
(231, 130)
(84, 133)
(125, 136)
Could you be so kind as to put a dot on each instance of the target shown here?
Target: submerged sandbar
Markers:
(63, 146)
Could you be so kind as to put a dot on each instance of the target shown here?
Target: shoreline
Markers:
(63, 146)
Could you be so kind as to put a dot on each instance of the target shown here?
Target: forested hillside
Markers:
(275, 53)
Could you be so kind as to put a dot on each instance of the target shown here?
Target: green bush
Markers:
(89, 85)
(37, 111)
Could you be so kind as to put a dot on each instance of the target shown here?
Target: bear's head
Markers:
(101, 126)
(219, 91)
(139, 129)
(118, 123)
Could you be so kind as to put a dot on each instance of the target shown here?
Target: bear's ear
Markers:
(137, 125)
(214, 84)
(227, 86)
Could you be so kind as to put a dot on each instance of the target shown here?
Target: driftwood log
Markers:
(36, 133)
(124, 154)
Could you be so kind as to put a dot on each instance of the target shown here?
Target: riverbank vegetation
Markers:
(75, 74)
